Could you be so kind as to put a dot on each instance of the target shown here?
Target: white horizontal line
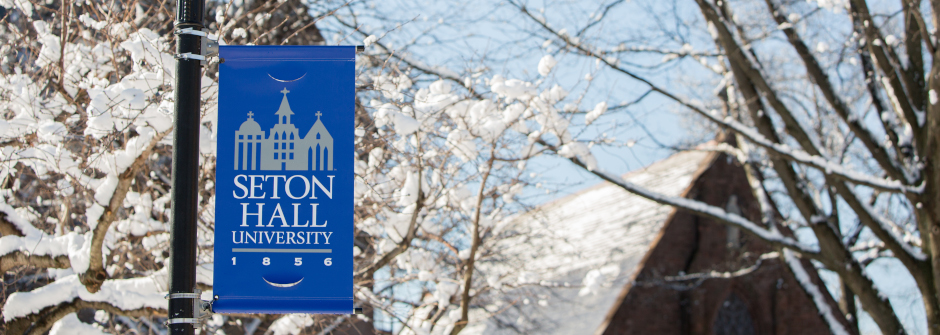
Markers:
(309, 251)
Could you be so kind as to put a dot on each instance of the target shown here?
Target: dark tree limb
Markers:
(95, 275)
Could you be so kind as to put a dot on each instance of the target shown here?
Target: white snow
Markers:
(51, 50)
(512, 89)
(461, 143)
(707, 210)
(291, 324)
(43, 245)
(891, 40)
(71, 325)
(126, 294)
(239, 33)
(596, 279)
(581, 151)
(598, 110)
(444, 291)
(104, 191)
(139, 102)
(404, 124)
(546, 64)
(369, 40)
(409, 191)
(18, 221)
(821, 163)
(582, 249)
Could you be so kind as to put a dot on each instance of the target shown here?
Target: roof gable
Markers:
(605, 224)
(589, 244)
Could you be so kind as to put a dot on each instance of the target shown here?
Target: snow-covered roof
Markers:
(588, 246)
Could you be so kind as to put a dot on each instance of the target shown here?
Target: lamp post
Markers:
(189, 14)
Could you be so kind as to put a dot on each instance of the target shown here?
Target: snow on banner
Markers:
(284, 176)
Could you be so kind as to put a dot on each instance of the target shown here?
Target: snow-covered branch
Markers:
(95, 273)
(821, 79)
(704, 210)
(814, 292)
(799, 156)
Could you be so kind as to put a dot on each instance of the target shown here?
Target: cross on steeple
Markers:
(318, 114)
(250, 114)
(285, 91)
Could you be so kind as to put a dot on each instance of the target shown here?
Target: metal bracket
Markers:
(191, 31)
(190, 55)
(209, 47)
(196, 295)
(182, 320)
(201, 309)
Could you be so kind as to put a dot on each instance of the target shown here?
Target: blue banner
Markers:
(284, 180)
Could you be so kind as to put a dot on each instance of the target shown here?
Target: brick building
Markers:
(605, 261)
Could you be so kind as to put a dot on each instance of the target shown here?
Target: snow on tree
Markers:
(832, 105)
(840, 141)
(86, 99)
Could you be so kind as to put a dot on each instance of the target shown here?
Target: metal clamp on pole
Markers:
(209, 47)
(196, 295)
(191, 31)
(190, 55)
(201, 308)
(181, 321)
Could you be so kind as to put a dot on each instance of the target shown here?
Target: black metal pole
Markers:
(189, 14)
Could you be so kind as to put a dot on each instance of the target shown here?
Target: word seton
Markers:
(285, 183)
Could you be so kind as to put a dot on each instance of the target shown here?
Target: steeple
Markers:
(284, 112)
(285, 107)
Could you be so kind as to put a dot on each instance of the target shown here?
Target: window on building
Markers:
(275, 145)
(275, 155)
(291, 155)
(292, 145)
(733, 318)
(275, 136)
(241, 137)
(318, 136)
(292, 136)
(283, 156)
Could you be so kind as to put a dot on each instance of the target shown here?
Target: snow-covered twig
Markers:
(699, 278)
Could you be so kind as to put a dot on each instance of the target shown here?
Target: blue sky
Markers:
(493, 37)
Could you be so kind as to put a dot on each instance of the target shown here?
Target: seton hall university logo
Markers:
(283, 148)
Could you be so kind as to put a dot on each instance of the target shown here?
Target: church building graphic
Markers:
(283, 148)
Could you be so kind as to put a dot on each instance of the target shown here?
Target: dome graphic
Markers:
(282, 148)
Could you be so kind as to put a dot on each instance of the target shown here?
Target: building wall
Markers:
(765, 301)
